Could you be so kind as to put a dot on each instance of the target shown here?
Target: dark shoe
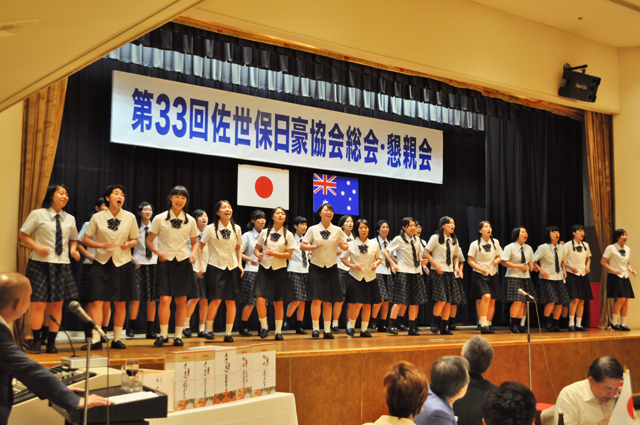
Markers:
(522, 329)
(479, 327)
(335, 329)
(160, 341)
(228, 338)
(581, 329)
(572, 328)
(130, 333)
(315, 334)
(208, 335)
(625, 328)
(151, 335)
(327, 335)
(435, 324)
(263, 333)
(51, 349)
(245, 332)
(453, 327)
(177, 342)
(365, 334)
(392, 331)
(285, 325)
(351, 331)
(514, 328)
(186, 333)
(382, 328)
(34, 347)
(616, 327)
(118, 345)
(484, 330)
(556, 328)
(402, 327)
(414, 332)
(44, 341)
(103, 339)
(279, 337)
(445, 331)
(548, 327)
(491, 328)
(94, 346)
(434, 328)
(301, 331)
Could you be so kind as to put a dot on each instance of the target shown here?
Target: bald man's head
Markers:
(13, 287)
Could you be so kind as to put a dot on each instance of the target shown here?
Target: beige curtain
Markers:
(598, 135)
(40, 131)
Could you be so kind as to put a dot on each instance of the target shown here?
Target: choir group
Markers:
(179, 257)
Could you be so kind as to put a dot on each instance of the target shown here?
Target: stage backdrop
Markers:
(525, 170)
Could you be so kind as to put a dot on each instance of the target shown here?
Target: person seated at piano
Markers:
(15, 293)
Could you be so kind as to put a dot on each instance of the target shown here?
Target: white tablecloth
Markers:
(276, 409)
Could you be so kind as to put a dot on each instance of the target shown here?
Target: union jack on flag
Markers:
(341, 192)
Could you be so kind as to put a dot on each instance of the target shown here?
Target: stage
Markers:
(342, 378)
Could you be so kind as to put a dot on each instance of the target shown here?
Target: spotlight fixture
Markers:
(579, 86)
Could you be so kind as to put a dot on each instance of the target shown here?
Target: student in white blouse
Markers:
(616, 259)
(224, 269)
(298, 269)
(578, 263)
(551, 289)
(363, 258)
(517, 257)
(346, 224)
(199, 296)
(383, 277)
(249, 239)
(484, 257)
(324, 282)
(174, 271)
(52, 236)
(273, 248)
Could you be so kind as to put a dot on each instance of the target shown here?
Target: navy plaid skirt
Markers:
(481, 285)
(199, 287)
(512, 284)
(299, 283)
(444, 287)
(408, 289)
(51, 282)
(579, 287)
(144, 286)
(85, 281)
(618, 287)
(385, 284)
(248, 280)
(344, 280)
(552, 291)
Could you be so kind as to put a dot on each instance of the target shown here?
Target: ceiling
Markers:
(43, 41)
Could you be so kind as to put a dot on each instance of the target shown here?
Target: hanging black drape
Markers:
(523, 170)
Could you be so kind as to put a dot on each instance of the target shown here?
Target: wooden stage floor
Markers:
(346, 373)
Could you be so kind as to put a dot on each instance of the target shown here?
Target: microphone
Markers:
(53, 319)
(75, 308)
(521, 292)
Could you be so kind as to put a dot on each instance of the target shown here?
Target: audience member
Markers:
(511, 403)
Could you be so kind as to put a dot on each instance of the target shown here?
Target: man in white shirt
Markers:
(591, 401)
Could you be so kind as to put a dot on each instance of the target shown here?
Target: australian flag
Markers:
(341, 192)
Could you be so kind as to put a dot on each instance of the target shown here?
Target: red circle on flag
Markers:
(630, 408)
(264, 187)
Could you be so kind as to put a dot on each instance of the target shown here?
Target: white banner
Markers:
(165, 114)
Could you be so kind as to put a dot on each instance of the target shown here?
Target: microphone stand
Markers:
(529, 343)
(86, 380)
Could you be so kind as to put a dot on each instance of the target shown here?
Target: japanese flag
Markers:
(263, 187)
(623, 413)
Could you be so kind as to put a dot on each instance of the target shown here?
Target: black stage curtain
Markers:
(524, 170)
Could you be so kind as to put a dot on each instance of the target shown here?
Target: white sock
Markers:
(523, 321)
(263, 323)
(164, 331)
(209, 326)
(201, 327)
(186, 322)
(117, 330)
(278, 326)
(327, 326)
(364, 326)
(488, 322)
(614, 318)
(95, 336)
(579, 322)
(623, 320)
(178, 333)
(228, 328)
(571, 320)
(349, 323)
(316, 325)
(483, 321)
(335, 323)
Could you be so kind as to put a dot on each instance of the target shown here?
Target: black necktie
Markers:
(147, 251)
(363, 249)
(622, 252)
(325, 234)
(522, 259)
(416, 262)
(448, 253)
(113, 224)
(557, 262)
(487, 247)
(386, 262)
(304, 259)
(226, 233)
(58, 235)
(176, 223)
